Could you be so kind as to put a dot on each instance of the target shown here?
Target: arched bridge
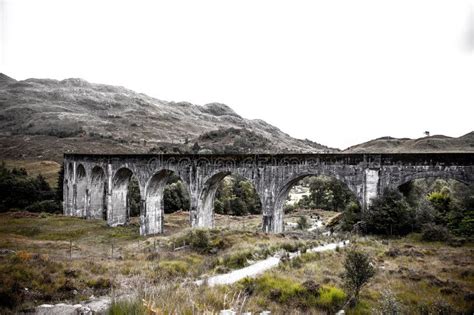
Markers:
(96, 185)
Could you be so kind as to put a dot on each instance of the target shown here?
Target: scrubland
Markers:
(51, 258)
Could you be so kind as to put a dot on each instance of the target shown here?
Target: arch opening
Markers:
(227, 194)
(81, 191)
(440, 201)
(165, 193)
(97, 202)
(306, 198)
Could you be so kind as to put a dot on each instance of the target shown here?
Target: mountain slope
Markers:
(436, 143)
(43, 118)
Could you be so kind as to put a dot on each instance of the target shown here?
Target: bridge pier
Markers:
(371, 187)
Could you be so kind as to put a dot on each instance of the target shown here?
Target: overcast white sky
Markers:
(336, 72)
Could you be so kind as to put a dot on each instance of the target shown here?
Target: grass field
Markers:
(52, 258)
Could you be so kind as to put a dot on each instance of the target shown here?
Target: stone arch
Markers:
(119, 208)
(438, 174)
(153, 214)
(97, 200)
(207, 193)
(81, 191)
(277, 225)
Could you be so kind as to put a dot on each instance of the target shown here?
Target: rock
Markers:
(4, 251)
(58, 309)
(335, 219)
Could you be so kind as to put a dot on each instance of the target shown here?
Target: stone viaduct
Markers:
(96, 186)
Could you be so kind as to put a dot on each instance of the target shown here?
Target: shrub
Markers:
(288, 208)
(199, 240)
(388, 304)
(237, 260)
(357, 271)
(351, 216)
(331, 299)
(440, 200)
(303, 223)
(172, 268)
(432, 233)
(51, 206)
(303, 295)
(389, 214)
(279, 289)
(99, 283)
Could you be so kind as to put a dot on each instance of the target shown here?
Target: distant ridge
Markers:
(5, 80)
(435, 143)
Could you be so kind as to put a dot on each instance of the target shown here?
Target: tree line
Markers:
(23, 192)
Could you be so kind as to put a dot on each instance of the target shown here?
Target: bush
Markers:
(351, 216)
(433, 233)
(357, 271)
(389, 304)
(331, 299)
(49, 206)
(172, 268)
(303, 223)
(302, 295)
(288, 208)
(237, 260)
(389, 214)
(199, 240)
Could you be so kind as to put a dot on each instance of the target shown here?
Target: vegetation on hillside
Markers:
(20, 191)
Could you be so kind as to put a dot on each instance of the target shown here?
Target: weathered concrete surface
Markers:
(96, 186)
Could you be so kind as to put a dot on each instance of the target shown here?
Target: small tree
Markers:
(351, 216)
(358, 271)
(303, 223)
(196, 147)
(389, 304)
(389, 214)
